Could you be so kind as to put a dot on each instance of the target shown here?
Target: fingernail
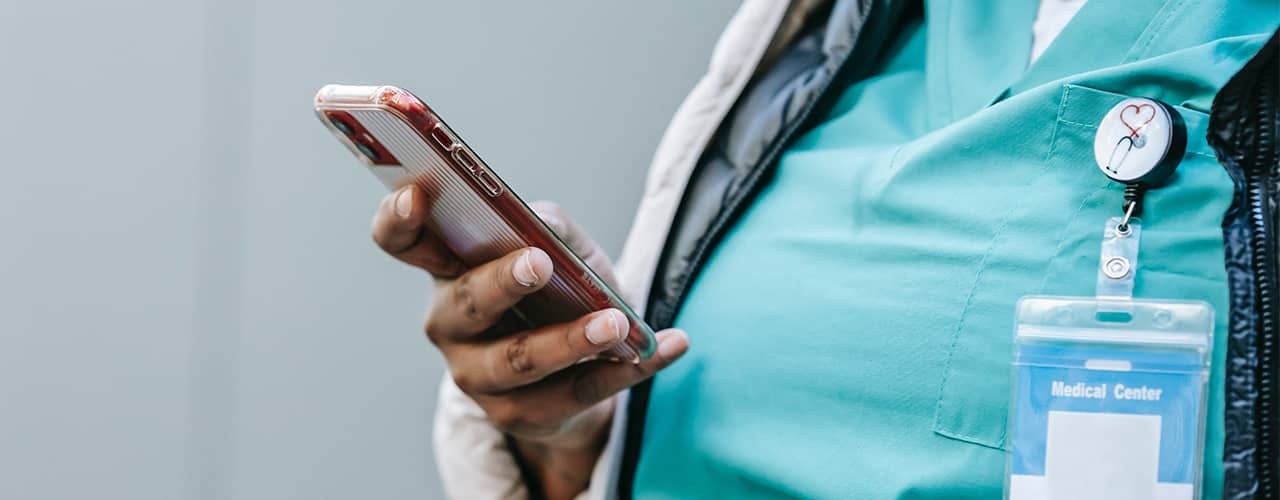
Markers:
(523, 271)
(605, 328)
(672, 346)
(404, 202)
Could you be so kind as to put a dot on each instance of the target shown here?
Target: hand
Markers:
(531, 383)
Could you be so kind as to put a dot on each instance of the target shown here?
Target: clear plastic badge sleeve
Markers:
(1108, 396)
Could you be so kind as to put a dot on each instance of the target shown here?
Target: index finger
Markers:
(399, 228)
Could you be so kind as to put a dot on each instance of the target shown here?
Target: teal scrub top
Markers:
(851, 336)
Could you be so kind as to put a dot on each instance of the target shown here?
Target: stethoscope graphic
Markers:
(1132, 120)
(1135, 139)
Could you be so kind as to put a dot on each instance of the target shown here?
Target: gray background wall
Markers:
(190, 306)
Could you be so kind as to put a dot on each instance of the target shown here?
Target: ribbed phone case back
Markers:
(484, 236)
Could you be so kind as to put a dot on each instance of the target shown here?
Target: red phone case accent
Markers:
(472, 209)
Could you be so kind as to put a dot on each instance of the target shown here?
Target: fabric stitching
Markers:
(970, 439)
(893, 160)
(1062, 237)
(973, 289)
(946, 64)
(1085, 125)
(1094, 126)
(1168, 14)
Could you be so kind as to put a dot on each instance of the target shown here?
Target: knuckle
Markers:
(463, 285)
(472, 312)
(517, 355)
(573, 338)
(464, 298)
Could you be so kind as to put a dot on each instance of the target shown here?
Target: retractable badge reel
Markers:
(1109, 391)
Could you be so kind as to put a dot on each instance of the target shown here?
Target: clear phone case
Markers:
(477, 215)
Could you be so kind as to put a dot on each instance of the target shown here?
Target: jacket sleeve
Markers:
(475, 463)
(471, 454)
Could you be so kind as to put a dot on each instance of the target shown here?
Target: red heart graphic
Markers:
(1132, 121)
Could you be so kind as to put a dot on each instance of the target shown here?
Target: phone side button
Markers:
(488, 182)
(441, 137)
(465, 160)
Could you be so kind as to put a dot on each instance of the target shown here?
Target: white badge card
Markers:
(1109, 391)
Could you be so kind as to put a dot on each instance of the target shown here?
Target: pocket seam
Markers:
(938, 427)
(1076, 101)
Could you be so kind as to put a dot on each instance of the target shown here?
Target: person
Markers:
(842, 216)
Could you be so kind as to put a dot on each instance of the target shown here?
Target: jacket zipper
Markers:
(1258, 187)
(1243, 128)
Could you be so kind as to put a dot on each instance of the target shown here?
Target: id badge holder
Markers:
(1109, 392)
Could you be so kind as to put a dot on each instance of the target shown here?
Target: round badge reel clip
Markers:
(1139, 144)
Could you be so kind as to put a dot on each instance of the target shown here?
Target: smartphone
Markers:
(400, 140)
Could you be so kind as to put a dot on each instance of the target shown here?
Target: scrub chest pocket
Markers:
(1047, 242)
